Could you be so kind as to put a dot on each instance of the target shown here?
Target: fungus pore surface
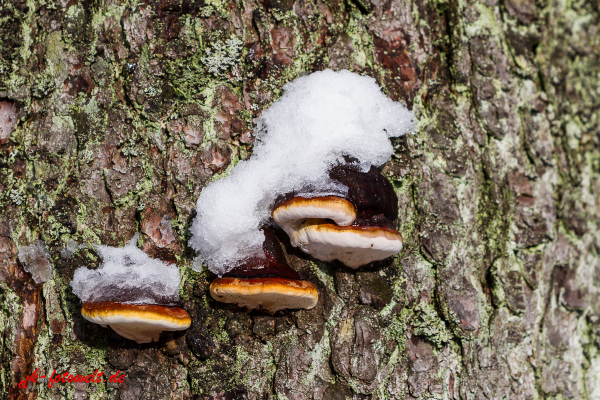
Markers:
(322, 120)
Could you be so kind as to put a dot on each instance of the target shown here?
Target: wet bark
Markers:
(114, 115)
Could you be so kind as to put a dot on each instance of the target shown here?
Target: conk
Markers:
(265, 282)
(132, 293)
(355, 230)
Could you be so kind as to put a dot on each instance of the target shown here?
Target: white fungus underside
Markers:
(353, 248)
(137, 328)
(126, 269)
(320, 119)
(271, 301)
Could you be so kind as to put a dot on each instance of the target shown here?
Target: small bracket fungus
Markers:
(290, 214)
(266, 283)
(354, 246)
(142, 323)
(132, 293)
(361, 231)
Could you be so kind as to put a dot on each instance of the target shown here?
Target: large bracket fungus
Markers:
(265, 282)
(132, 293)
(355, 231)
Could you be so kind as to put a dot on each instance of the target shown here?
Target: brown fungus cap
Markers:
(142, 323)
(266, 283)
(370, 192)
(355, 230)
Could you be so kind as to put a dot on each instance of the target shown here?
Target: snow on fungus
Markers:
(322, 120)
(127, 275)
(131, 292)
(35, 260)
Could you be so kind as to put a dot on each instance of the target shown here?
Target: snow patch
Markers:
(127, 275)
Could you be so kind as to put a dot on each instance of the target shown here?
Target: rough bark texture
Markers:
(115, 114)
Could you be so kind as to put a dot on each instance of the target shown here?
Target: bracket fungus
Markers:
(265, 282)
(355, 230)
(140, 322)
(132, 293)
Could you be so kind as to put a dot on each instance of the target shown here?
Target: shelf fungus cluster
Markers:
(314, 173)
(355, 229)
(132, 293)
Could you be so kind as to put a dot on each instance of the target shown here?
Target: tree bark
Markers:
(115, 114)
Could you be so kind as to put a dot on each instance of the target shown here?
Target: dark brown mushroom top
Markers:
(371, 194)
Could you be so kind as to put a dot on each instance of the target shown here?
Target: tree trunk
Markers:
(115, 114)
